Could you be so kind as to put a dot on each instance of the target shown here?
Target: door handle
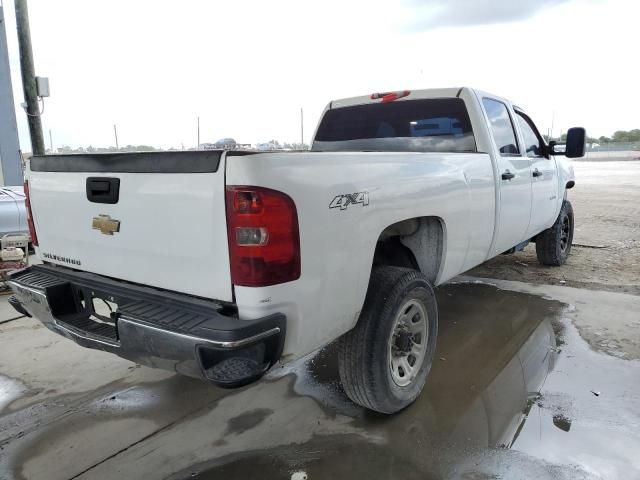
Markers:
(103, 189)
(507, 175)
(537, 173)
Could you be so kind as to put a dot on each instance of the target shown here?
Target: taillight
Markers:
(27, 204)
(264, 242)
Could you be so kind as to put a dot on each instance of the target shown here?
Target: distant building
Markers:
(265, 146)
(208, 146)
(226, 143)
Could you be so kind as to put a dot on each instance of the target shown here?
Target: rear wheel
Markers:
(385, 359)
(554, 244)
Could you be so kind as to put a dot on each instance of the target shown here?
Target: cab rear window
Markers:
(427, 125)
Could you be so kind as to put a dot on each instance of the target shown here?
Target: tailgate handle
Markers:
(103, 189)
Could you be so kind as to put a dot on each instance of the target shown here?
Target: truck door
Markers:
(544, 177)
(514, 177)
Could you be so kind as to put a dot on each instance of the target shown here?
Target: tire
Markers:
(554, 244)
(370, 357)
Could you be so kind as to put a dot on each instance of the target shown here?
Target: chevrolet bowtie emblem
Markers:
(105, 224)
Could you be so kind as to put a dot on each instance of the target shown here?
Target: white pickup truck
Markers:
(219, 264)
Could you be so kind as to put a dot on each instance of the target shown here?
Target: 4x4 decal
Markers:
(343, 201)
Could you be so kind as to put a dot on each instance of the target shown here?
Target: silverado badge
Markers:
(105, 224)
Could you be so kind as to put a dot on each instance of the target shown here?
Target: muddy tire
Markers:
(554, 244)
(384, 361)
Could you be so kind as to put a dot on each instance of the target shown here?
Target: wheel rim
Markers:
(408, 342)
(564, 233)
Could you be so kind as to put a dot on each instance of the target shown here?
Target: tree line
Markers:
(618, 136)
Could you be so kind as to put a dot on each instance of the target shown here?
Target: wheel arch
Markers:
(416, 242)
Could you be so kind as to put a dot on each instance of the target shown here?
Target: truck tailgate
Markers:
(167, 228)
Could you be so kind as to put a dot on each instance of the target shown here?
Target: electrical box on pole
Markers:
(42, 86)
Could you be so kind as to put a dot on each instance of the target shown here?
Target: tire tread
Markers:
(547, 242)
(354, 355)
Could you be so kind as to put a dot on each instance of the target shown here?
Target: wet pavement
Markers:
(528, 382)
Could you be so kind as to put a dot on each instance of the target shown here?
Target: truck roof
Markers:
(412, 95)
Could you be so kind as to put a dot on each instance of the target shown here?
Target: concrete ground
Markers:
(532, 379)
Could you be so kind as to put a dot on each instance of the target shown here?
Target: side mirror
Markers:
(576, 142)
(575, 145)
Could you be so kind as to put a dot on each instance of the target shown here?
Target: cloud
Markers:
(430, 14)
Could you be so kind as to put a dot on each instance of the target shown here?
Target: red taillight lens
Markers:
(264, 242)
(27, 204)
(390, 96)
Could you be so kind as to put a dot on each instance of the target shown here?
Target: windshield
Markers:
(427, 125)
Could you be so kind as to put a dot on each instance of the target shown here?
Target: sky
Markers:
(246, 68)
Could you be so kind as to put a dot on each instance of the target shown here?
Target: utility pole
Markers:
(198, 147)
(29, 78)
(115, 134)
(301, 128)
(50, 142)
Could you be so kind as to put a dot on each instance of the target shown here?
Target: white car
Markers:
(219, 264)
(13, 216)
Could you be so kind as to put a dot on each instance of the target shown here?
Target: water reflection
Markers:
(495, 350)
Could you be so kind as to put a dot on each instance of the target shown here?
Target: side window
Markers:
(532, 139)
(501, 127)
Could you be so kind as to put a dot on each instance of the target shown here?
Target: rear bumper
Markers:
(167, 330)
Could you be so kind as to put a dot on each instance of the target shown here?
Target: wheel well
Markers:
(413, 243)
(393, 253)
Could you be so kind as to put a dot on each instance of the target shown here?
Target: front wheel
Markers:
(384, 361)
(554, 244)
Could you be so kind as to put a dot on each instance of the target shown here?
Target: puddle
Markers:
(510, 395)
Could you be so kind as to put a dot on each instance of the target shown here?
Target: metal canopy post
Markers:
(10, 157)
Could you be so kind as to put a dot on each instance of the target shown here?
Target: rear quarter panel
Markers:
(337, 245)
